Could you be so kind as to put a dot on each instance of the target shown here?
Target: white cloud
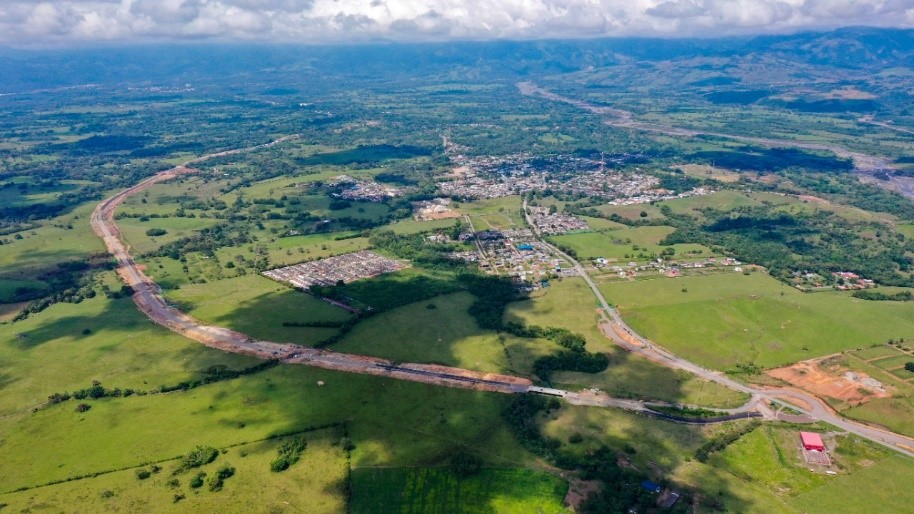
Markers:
(50, 22)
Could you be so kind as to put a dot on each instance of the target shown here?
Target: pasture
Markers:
(316, 484)
(629, 243)
(723, 320)
(258, 307)
(569, 303)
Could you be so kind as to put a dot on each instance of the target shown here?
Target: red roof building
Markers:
(812, 441)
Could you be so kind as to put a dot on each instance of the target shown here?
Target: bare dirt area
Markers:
(814, 199)
(829, 378)
(578, 491)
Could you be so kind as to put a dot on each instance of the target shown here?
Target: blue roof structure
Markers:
(650, 487)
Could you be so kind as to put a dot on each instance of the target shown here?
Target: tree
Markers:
(909, 367)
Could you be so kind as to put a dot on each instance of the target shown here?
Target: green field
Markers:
(727, 319)
(257, 306)
(414, 227)
(883, 487)
(440, 491)
(49, 353)
(570, 304)
(877, 352)
(414, 333)
(893, 362)
(315, 484)
(390, 422)
(630, 243)
(134, 231)
(496, 213)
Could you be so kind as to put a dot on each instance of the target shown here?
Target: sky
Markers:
(56, 23)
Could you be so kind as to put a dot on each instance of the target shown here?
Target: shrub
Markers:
(143, 474)
(288, 453)
(153, 232)
(198, 457)
(197, 481)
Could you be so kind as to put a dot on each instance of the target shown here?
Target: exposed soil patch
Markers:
(829, 378)
(579, 490)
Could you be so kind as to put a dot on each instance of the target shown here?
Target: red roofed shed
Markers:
(812, 441)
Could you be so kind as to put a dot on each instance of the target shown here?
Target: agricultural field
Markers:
(724, 320)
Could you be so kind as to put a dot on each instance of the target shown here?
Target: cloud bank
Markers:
(30, 22)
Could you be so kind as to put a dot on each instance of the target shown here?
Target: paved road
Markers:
(816, 410)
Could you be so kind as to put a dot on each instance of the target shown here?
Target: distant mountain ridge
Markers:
(854, 47)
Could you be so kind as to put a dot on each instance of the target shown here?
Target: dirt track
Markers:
(148, 297)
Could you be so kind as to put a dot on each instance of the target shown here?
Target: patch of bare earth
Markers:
(827, 378)
(579, 490)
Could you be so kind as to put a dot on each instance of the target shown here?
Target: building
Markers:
(812, 441)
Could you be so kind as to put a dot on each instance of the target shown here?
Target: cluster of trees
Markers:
(68, 282)
(767, 160)
(820, 241)
(288, 454)
(869, 294)
(206, 240)
(215, 373)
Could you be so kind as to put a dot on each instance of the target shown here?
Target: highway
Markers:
(616, 329)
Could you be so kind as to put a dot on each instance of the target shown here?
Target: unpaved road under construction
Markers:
(148, 298)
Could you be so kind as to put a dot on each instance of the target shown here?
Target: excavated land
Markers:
(828, 379)
(148, 298)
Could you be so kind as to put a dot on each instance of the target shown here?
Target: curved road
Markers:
(148, 298)
(623, 335)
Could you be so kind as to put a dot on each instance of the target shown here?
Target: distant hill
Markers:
(863, 48)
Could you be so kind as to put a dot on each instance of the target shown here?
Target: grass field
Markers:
(440, 491)
(391, 423)
(728, 319)
(315, 484)
(893, 362)
(258, 306)
(877, 352)
(884, 487)
(414, 333)
(495, 213)
(48, 353)
(414, 227)
(896, 412)
(630, 243)
(570, 304)
(134, 231)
